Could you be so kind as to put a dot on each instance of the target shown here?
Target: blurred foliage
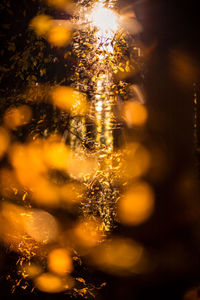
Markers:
(26, 57)
(30, 67)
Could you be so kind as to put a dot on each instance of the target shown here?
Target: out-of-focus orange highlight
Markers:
(60, 262)
(41, 24)
(4, 141)
(183, 67)
(56, 155)
(9, 184)
(33, 162)
(137, 160)
(118, 256)
(32, 270)
(41, 226)
(71, 193)
(81, 168)
(58, 36)
(16, 222)
(49, 283)
(58, 3)
(134, 113)
(11, 223)
(87, 233)
(137, 204)
(18, 116)
(67, 98)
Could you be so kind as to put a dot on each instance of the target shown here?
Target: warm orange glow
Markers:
(135, 114)
(11, 223)
(15, 117)
(34, 155)
(41, 226)
(44, 192)
(28, 164)
(58, 36)
(56, 155)
(118, 256)
(58, 3)
(32, 162)
(137, 160)
(81, 168)
(8, 183)
(27, 157)
(64, 161)
(62, 97)
(87, 233)
(71, 193)
(41, 24)
(80, 106)
(32, 270)
(183, 67)
(137, 204)
(67, 98)
(4, 141)
(49, 283)
(60, 262)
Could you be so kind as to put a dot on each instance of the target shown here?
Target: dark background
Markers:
(172, 236)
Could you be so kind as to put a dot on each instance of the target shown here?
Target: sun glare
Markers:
(104, 19)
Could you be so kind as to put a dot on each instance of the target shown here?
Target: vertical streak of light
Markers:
(100, 200)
